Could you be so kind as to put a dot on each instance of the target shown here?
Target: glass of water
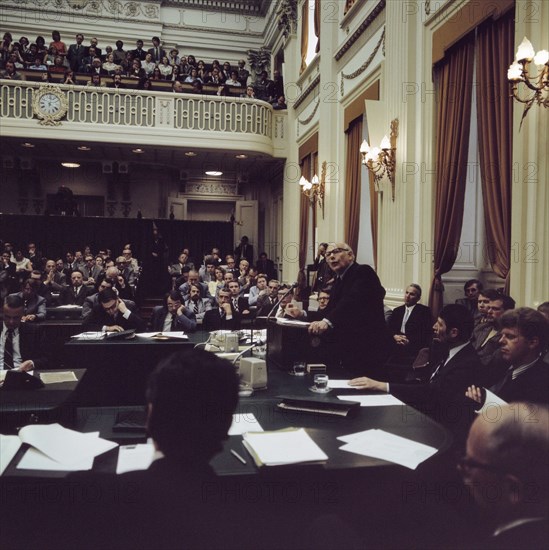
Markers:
(321, 383)
(299, 368)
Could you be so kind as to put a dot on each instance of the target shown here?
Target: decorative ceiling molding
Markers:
(246, 7)
(96, 8)
(372, 16)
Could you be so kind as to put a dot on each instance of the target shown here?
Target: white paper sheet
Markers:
(135, 457)
(89, 336)
(387, 446)
(340, 384)
(33, 459)
(63, 445)
(180, 335)
(378, 400)
(9, 445)
(292, 322)
(492, 401)
(244, 422)
(57, 377)
(284, 447)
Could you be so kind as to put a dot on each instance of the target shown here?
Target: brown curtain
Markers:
(353, 182)
(304, 34)
(373, 215)
(495, 41)
(317, 25)
(305, 206)
(453, 85)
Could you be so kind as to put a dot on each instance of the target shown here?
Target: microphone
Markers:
(277, 303)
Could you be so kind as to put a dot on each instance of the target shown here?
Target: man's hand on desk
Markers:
(29, 318)
(365, 383)
(26, 366)
(113, 328)
(318, 327)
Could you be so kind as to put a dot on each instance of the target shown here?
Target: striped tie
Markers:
(195, 308)
(8, 350)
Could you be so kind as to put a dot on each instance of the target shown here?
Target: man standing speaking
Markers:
(354, 322)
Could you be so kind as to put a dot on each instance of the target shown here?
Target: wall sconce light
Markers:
(315, 188)
(381, 161)
(538, 84)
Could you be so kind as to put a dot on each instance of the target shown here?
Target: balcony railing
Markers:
(145, 109)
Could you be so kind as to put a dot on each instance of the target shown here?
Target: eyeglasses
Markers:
(336, 251)
(323, 299)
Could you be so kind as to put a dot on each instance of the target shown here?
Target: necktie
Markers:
(235, 304)
(405, 320)
(8, 350)
(439, 366)
(174, 323)
(195, 308)
(75, 291)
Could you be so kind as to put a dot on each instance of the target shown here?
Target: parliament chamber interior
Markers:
(274, 274)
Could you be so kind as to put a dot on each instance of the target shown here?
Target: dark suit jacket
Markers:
(99, 318)
(31, 344)
(418, 329)
(267, 267)
(360, 338)
(532, 385)
(443, 397)
(35, 306)
(532, 535)
(66, 296)
(75, 55)
(213, 321)
(246, 254)
(161, 53)
(186, 321)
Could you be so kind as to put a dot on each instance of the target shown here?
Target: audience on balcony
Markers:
(155, 63)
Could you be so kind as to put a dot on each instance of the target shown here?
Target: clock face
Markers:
(49, 103)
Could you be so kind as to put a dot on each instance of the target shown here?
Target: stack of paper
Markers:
(374, 400)
(9, 445)
(58, 377)
(290, 446)
(169, 335)
(89, 336)
(56, 448)
(243, 423)
(387, 446)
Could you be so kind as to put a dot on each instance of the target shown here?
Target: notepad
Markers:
(290, 446)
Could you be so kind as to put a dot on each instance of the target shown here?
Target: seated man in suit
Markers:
(523, 341)
(471, 290)
(240, 304)
(266, 301)
(21, 344)
(196, 303)
(442, 395)
(266, 266)
(54, 279)
(92, 301)
(112, 315)
(223, 316)
(34, 305)
(505, 468)
(194, 279)
(173, 315)
(323, 302)
(410, 325)
(42, 289)
(77, 292)
(91, 271)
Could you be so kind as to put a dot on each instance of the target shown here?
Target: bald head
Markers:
(512, 445)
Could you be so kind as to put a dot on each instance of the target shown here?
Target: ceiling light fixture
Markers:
(70, 164)
(138, 151)
(190, 154)
(28, 145)
(241, 156)
(213, 173)
(84, 148)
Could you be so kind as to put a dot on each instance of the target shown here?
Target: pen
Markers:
(237, 456)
